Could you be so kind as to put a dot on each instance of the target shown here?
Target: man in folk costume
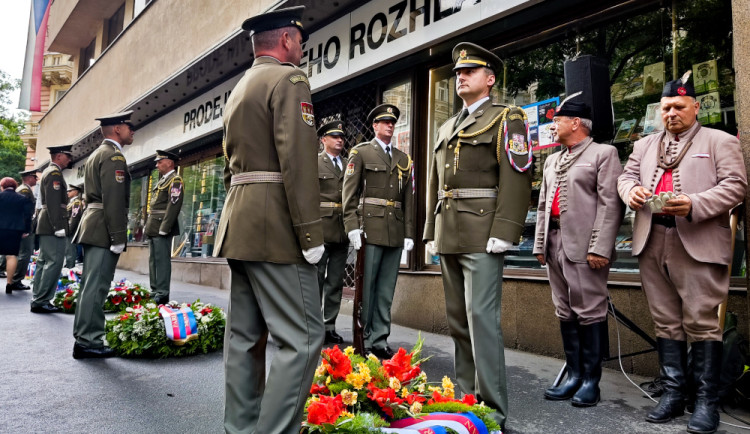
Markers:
(578, 217)
(684, 247)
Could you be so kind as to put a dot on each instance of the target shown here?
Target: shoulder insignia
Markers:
(118, 158)
(54, 172)
(120, 176)
(514, 131)
(175, 191)
(308, 115)
(56, 185)
(353, 152)
(349, 169)
(299, 79)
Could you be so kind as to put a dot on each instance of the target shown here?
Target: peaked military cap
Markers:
(334, 128)
(31, 172)
(160, 155)
(277, 19)
(63, 149)
(116, 119)
(679, 87)
(384, 112)
(468, 55)
(573, 109)
(78, 187)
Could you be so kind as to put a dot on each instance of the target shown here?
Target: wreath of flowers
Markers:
(139, 331)
(122, 294)
(354, 394)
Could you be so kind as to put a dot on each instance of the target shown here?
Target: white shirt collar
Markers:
(167, 174)
(331, 157)
(476, 104)
(383, 144)
(119, 146)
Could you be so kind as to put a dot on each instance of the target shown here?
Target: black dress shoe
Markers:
(161, 300)
(383, 353)
(333, 338)
(2, 274)
(45, 308)
(80, 352)
(8, 289)
(17, 286)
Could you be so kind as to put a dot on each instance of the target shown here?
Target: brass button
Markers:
(307, 235)
(447, 206)
(445, 187)
(390, 213)
(447, 166)
(481, 211)
(369, 215)
(475, 140)
(391, 185)
(450, 146)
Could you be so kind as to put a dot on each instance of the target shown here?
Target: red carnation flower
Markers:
(325, 410)
(469, 399)
(321, 389)
(67, 304)
(116, 300)
(137, 298)
(399, 366)
(336, 362)
(384, 398)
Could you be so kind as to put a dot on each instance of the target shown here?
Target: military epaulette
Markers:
(55, 172)
(300, 78)
(118, 158)
(353, 152)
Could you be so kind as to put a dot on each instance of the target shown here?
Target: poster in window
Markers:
(540, 116)
(653, 78)
(623, 133)
(705, 76)
(653, 123)
(710, 109)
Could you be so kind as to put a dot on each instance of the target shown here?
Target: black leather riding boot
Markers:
(673, 364)
(573, 377)
(591, 360)
(706, 375)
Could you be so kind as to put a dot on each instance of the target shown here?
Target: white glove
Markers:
(313, 255)
(162, 233)
(430, 248)
(60, 233)
(117, 248)
(496, 245)
(355, 236)
(408, 244)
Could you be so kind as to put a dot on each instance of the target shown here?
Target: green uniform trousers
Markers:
(331, 273)
(473, 291)
(98, 272)
(380, 274)
(283, 300)
(160, 265)
(24, 257)
(49, 264)
(71, 253)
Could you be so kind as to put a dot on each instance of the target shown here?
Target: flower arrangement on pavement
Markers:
(122, 294)
(139, 331)
(354, 394)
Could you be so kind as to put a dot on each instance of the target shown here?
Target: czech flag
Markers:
(31, 83)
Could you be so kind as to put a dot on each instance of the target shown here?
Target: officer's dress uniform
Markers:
(27, 244)
(52, 218)
(471, 197)
(75, 212)
(378, 190)
(332, 266)
(270, 147)
(166, 201)
(104, 224)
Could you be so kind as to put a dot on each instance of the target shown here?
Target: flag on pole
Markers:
(31, 82)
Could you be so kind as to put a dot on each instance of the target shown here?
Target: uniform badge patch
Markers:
(75, 210)
(118, 158)
(175, 191)
(349, 169)
(120, 176)
(299, 79)
(307, 113)
(56, 185)
(518, 145)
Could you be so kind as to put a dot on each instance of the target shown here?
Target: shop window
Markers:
(115, 24)
(138, 211)
(87, 57)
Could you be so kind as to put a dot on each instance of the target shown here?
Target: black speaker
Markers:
(590, 74)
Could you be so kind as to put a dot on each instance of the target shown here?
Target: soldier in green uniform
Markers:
(27, 244)
(75, 212)
(270, 232)
(161, 226)
(52, 228)
(332, 266)
(477, 199)
(103, 232)
(379, 201)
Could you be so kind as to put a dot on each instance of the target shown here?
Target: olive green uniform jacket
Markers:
(369, 175)
(331, 185)
(75, 212)
(269, 127)
(54, 192)
(465, 225)
(166, 202)
(107, 196)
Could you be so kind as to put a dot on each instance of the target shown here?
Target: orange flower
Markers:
(469, 399)
(326, 410)
(384, 398)
(319, 389)
(399, 366)
(337, 364)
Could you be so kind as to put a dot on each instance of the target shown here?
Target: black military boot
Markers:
(591, 360)
(573, 377)
(673, 364)
(706, 375)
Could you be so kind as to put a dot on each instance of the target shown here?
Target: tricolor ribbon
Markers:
(179, 324)
(462, 423)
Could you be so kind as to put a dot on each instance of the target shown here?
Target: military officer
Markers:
(161, 226)
(332, 266)
(578, 217)
(477, 200)
(52, 229)
(270, 232)
(103, 231)
(684, 248)
(75, 212)
(26, 189)
(379, 202)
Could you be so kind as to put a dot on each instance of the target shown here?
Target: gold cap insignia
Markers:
(389, 110)
(462, 54)
(339, 126)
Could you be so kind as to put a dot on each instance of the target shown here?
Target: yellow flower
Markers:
(328, 380)
(394, 384)
(449, 393)
(404, 392)
(347, 414)
(320, 371)
(416, 408)
(435, 389)
(349, 351)
(365, 371)
(357, 380)
(348, 397)
(420, 388)
(447, 383)
(372, 357)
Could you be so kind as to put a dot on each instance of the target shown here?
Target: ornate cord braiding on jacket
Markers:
(401, 171)
(503, 138)
(461, 135)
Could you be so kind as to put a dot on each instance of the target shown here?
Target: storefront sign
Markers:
(381, 31)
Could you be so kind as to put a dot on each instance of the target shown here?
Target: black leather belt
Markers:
(554, 223)
(663, 220)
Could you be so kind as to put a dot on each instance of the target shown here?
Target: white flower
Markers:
(198, 315)
(129, 309)
(122, 337)
(205, 320)
(150, 306)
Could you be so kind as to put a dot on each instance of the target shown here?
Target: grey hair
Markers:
(269, 39)
(586, 123)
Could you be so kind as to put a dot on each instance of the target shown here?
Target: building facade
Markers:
(175, 64)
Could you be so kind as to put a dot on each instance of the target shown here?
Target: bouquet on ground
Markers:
(124, 294)
(354, 394)
(140, 331)
(67, 298)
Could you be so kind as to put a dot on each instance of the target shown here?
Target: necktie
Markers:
(388, 153)
(336, 166)
(461, 116)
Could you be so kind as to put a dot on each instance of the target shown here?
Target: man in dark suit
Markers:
(26, 189)
(683, 248)
(15, 225)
